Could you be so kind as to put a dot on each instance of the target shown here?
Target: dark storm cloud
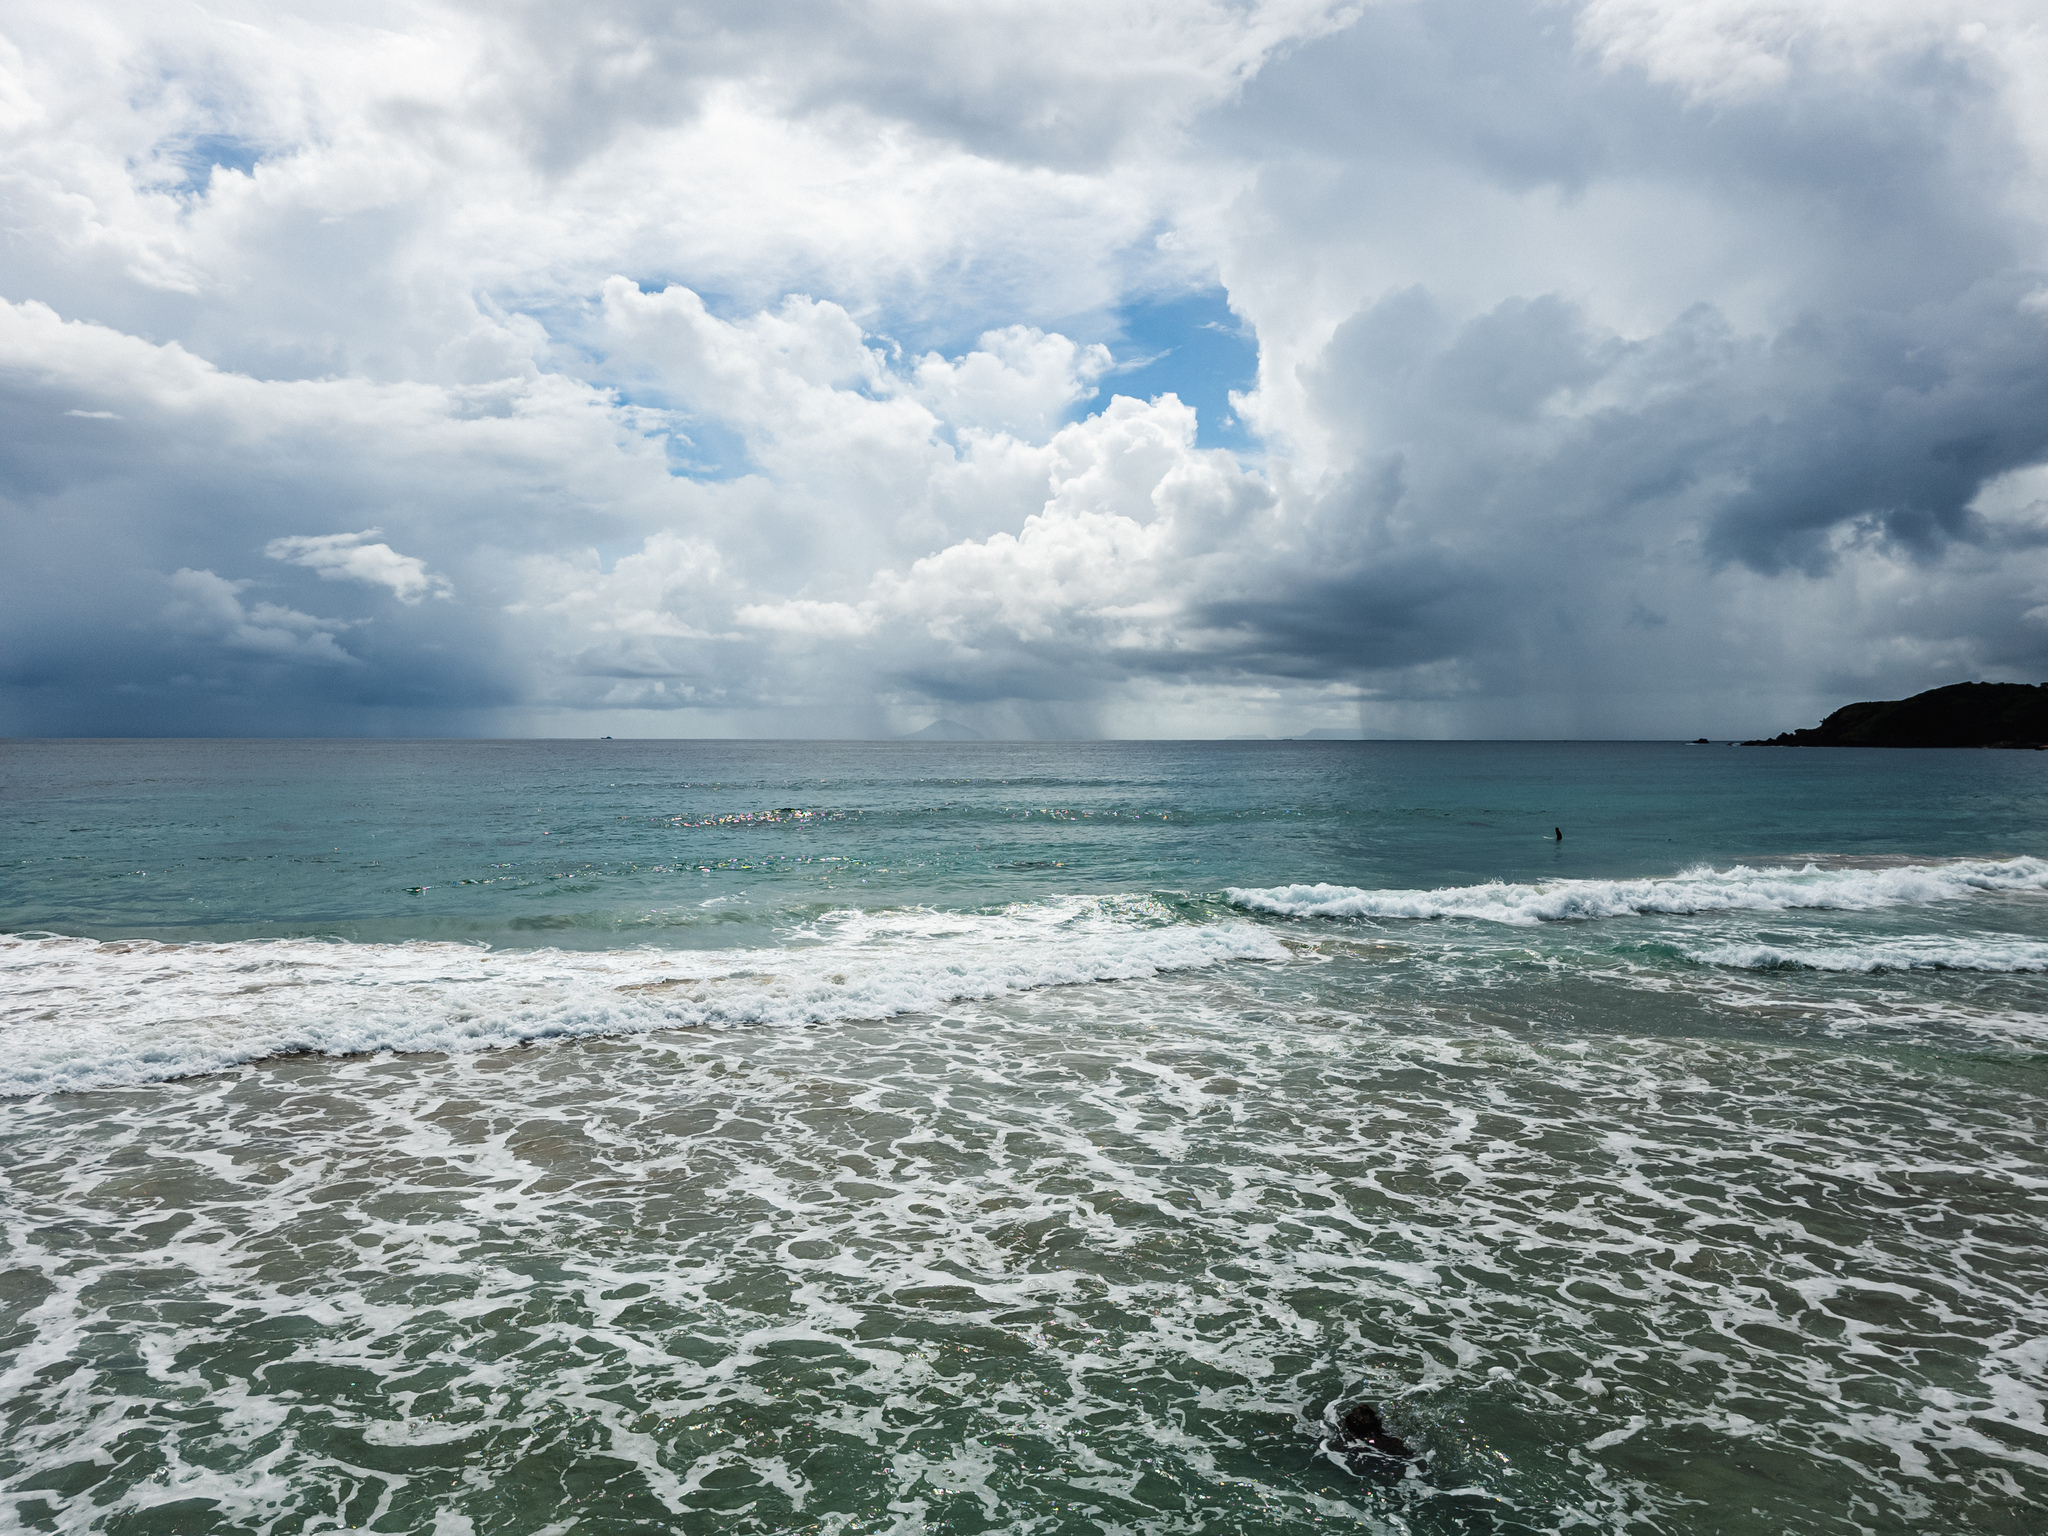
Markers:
(1892, 420)
(1890, 369)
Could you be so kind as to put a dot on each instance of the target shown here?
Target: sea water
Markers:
(760, 1137)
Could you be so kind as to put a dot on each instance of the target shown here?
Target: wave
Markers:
(82, 1013)
(1702, 889)
(2001, 956)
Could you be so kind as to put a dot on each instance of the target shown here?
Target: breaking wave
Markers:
(83, 1013)
(1999, 956)
(1738, 889)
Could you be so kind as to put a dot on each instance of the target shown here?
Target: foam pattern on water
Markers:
(1701, 890)
(1084, 1260)
(75, 1013)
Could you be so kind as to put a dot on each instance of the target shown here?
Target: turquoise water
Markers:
(628, 1136)
(488, 840)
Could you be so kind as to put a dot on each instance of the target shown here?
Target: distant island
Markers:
(1961, 715)
(944, 730)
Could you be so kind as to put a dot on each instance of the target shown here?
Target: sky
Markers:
(1066, 369)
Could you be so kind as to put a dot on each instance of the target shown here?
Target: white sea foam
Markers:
(1738, 889)
(1579, 1274)
(1906, 953)
(79, 1013)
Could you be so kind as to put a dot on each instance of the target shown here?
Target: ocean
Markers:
(550, 1137)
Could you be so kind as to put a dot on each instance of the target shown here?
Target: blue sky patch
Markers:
(1193, 347)
(699, 447)
(713, 451)
(200, 155)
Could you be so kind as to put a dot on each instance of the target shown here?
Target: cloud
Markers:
(1728, 49)
(1018, 381)
(812, 620)
(208, 607)
(346, 557)
(1621, 367)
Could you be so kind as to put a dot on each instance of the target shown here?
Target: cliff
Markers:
(1962, 715)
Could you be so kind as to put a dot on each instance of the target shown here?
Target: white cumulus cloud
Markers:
(351, 557)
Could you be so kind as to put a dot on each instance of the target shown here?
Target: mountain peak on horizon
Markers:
(945, 730)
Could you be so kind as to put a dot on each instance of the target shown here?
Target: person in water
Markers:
(1560, 833)
(1365, 1445)
(1362, 1429)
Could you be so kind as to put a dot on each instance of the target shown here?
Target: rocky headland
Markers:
(1961, 715)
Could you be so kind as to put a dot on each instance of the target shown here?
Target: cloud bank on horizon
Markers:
(1484, 367)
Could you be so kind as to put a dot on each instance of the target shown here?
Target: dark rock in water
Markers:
(1962, 715)
(1701, 741)
(1367, 1445)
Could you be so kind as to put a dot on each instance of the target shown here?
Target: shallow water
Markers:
(1043, 1184)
